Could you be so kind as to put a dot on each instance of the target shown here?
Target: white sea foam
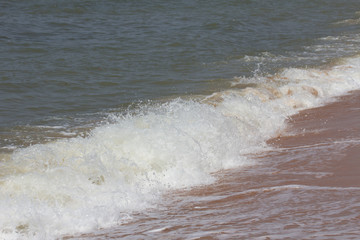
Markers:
(354, 21)
(84, 183)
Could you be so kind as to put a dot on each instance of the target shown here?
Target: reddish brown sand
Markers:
(307, 187)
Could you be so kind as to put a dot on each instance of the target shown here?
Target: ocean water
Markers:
(107, 105)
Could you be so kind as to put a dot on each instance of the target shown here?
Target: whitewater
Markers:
(126, 164)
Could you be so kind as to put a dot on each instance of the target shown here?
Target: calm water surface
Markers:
(84, 57)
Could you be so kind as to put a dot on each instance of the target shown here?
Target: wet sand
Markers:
(307, 187)
(336, 125)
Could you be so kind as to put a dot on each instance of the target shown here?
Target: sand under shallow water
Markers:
(306, 187)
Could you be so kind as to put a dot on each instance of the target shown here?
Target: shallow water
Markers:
(307, 187)
(108, 106)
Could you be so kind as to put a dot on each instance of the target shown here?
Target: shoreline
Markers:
(336, 124)
(306, 187)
